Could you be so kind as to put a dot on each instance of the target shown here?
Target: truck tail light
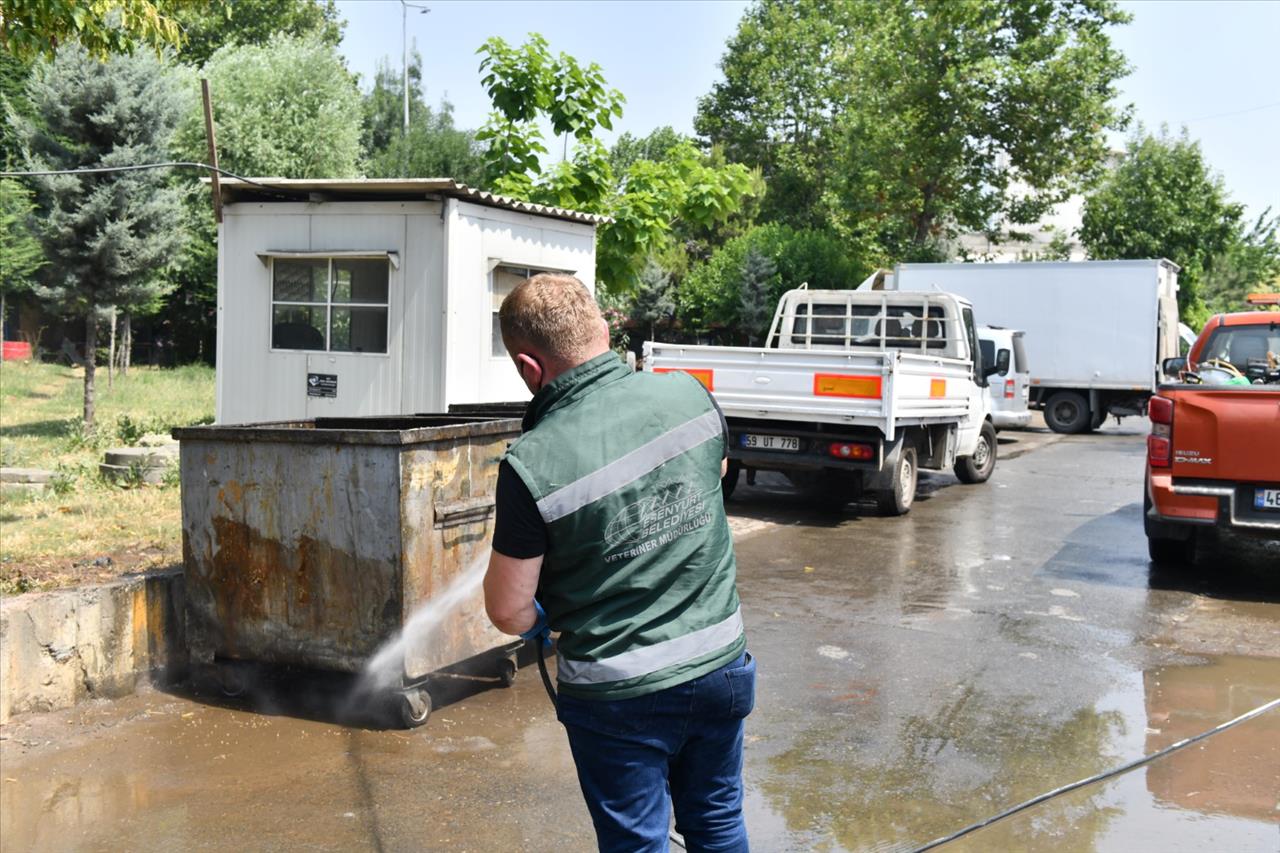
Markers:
(1160, 442)
(1008, 389)
(846, 450)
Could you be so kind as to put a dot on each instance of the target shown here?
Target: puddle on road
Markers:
(833, 788)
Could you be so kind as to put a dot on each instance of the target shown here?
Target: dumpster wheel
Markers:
(411, 706)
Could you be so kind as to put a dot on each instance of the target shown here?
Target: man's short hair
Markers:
(554, 314)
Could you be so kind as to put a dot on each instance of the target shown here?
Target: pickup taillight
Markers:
(1160, 442)
(1008, 389)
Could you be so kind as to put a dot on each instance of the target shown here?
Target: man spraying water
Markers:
(610, 530)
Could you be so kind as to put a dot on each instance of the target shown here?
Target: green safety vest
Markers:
(639, 575)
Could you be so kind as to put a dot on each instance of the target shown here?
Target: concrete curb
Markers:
(63, 647)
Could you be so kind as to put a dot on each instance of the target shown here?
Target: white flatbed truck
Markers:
(853, 391)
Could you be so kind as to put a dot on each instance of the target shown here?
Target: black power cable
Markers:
(176, 164)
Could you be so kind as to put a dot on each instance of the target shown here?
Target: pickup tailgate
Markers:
(1227, 434)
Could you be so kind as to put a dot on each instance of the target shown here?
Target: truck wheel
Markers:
(978, 467)
(1170, 552)
(897, 499)
(729, 481)
(1067, 412)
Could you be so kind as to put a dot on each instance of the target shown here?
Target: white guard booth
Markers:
(341, 298)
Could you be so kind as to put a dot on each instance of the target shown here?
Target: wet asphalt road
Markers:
(916, 675)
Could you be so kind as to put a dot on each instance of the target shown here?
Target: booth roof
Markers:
(385, 189)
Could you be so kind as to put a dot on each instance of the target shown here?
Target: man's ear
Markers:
(530, 370)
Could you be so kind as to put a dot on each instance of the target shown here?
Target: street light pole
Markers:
(404, 46)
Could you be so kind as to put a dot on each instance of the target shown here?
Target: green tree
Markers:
(434, 146)
(289, 109)
(785, 81)
(14, 107)
(20, 252)
(1163, 201)
(31, 29)
(1250, 263)
(214, 24)
(627, 149)
(709, 298)
(653, 304)
(755, 308)
(646, 204)
(109, 238)
(905, 121)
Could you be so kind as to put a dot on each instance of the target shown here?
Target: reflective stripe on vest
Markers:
(643, 661)
(627, 469)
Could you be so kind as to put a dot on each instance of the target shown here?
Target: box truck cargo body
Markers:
(1096, 331)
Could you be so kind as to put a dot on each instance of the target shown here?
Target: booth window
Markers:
(502, 281)
(329, 304)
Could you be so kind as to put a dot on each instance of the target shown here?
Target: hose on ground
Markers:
(1100, 777)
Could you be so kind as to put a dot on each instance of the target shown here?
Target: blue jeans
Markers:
(684, 742)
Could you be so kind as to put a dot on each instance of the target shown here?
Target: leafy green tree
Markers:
(31, 29)
(646, 203)
(904, 121)
(527, 84)
(627, 149)
(289, 109)
(109, 238)
(434, 146)
(755, 308)
(653, 304)
(785, 81)
(1163, 201)
(20, 253)
(709, 298)
(214, 24)
(1250, 263)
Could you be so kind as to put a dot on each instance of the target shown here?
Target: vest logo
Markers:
(669, 512)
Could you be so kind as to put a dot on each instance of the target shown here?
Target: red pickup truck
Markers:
(1213, 455)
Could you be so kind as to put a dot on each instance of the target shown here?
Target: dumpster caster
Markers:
(507, 671)
(411, 707)
(232, 680)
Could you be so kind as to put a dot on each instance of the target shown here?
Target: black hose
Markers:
(1100, 777)
(538, 652)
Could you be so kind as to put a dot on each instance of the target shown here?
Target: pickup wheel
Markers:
(978, 467)
(1170, 552)
(1067, 412)
(897, 499)
(729, 481)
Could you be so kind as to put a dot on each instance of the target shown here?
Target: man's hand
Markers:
(509, 586)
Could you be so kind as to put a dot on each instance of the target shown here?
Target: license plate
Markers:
(1266, 499)
(754, 441)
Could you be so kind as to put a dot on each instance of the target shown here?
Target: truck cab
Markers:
(1009, 388)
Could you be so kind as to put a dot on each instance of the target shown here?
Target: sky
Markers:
(1209, 65)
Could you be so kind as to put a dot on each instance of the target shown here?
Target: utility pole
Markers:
(404, 45)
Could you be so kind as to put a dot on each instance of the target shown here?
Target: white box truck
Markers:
(1096, 331)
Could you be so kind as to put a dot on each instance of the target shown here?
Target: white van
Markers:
(1011, 383)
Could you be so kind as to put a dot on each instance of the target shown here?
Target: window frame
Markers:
(330, 258)
(494, 265)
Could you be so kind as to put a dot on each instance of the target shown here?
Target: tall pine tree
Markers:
(654, 303)
(109, 238)
(754, 307)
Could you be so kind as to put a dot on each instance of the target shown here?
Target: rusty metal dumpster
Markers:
(312, 544)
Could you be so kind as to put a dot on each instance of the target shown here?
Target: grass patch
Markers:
(82, 528)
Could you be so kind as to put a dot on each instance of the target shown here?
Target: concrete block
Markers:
(62, 647)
